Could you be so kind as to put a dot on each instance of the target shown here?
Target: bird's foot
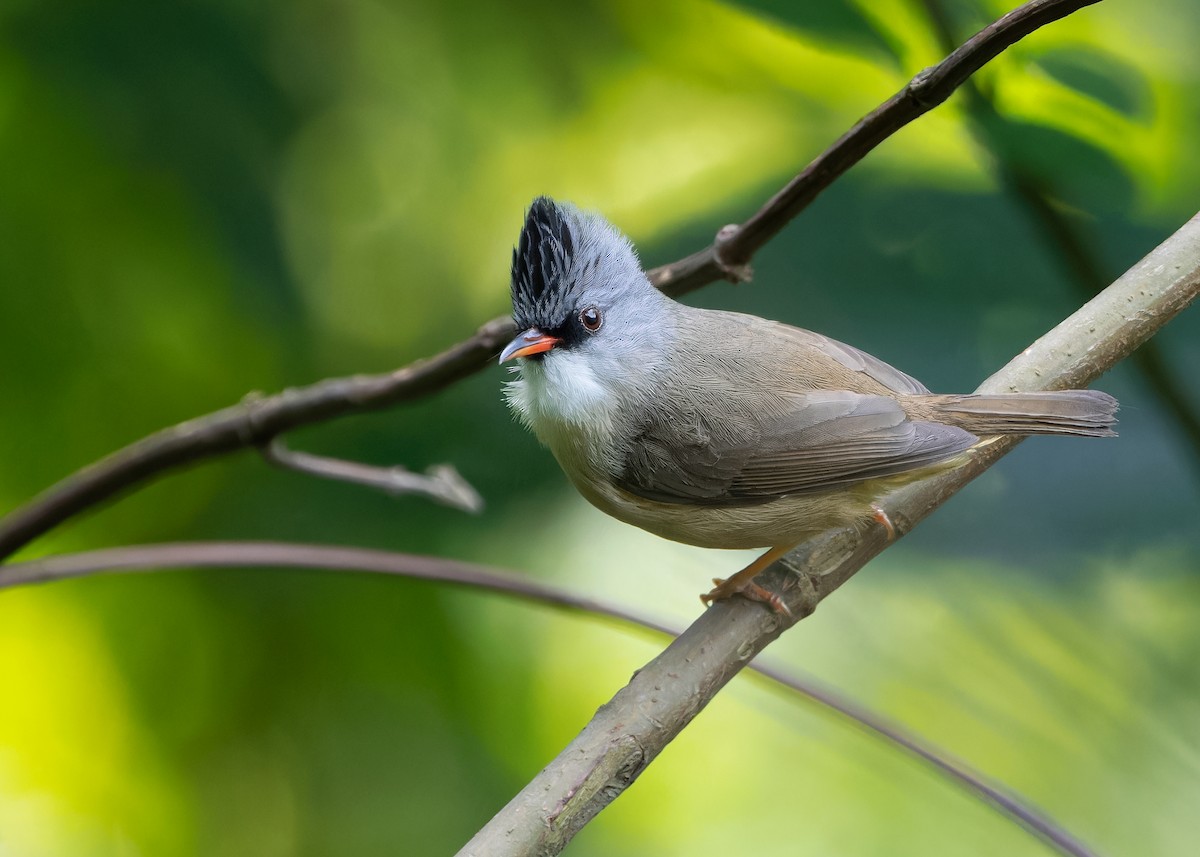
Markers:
(881, 517)
(727, 588)
(743, 583)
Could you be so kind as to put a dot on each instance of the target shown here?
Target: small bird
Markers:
(721, 429)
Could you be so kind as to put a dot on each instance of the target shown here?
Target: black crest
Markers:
(541, 261)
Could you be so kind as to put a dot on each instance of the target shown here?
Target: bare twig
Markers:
(1066, 238)
(730, 254)
(282, 554)
(628, 733)
(256, 422)
(441, 482)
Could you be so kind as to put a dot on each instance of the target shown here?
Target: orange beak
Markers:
(532, 341)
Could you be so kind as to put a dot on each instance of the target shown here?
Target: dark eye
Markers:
(591, 319)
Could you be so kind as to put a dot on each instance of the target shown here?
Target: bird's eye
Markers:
(591, 319)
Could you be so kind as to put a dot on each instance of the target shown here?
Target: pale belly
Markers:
(776, 523)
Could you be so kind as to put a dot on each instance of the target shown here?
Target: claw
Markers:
(884, 521)
(743, 584)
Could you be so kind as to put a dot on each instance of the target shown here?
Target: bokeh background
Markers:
(203, 199)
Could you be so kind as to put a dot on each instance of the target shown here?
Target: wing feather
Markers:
(770, 410)
(830, 438)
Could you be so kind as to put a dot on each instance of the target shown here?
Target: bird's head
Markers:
(591, 326)
(576, 285)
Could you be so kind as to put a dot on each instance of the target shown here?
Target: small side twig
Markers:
(441, 483)
(145, 558)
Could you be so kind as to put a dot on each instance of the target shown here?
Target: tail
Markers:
(1089, 413)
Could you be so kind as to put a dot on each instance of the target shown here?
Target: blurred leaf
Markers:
(1085, 176)
(1101, 76)
(836, 21)
(76, 773)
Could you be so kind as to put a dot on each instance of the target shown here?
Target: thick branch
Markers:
(159, 557)
(663, 697)
(257, 421)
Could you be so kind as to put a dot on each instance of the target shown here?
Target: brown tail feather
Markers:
(1075, 412)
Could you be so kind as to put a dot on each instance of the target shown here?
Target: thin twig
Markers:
(730, 254)
(629, 731)
(158, 557)
(254, 423)
(441, 483)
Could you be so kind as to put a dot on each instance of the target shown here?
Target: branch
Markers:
(440, 482)
(242, 554)
(257, 421)
(662, 698)
(729, 256)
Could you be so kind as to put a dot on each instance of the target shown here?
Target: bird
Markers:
(722, 429)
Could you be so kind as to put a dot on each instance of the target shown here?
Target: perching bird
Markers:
(720, 429)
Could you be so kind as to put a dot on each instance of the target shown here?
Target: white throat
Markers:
(568, 406)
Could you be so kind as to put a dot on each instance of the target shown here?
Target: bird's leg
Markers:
(881, 517)
(743, 583)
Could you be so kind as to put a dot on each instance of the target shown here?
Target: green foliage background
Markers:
(198, 200)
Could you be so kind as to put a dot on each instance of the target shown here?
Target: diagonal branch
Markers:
(257, 421)
(729, 255)
(628, 733)
(158, 557)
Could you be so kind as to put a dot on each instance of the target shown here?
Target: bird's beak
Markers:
(532, 341)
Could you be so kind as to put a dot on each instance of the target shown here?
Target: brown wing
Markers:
(766, 409)
(830, 438)
(853, 359)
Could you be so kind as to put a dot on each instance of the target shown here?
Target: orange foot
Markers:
(723, 589)
(884, 521)
(743, 584)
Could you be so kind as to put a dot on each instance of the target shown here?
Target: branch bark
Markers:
(628, 732)
(258, 420)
